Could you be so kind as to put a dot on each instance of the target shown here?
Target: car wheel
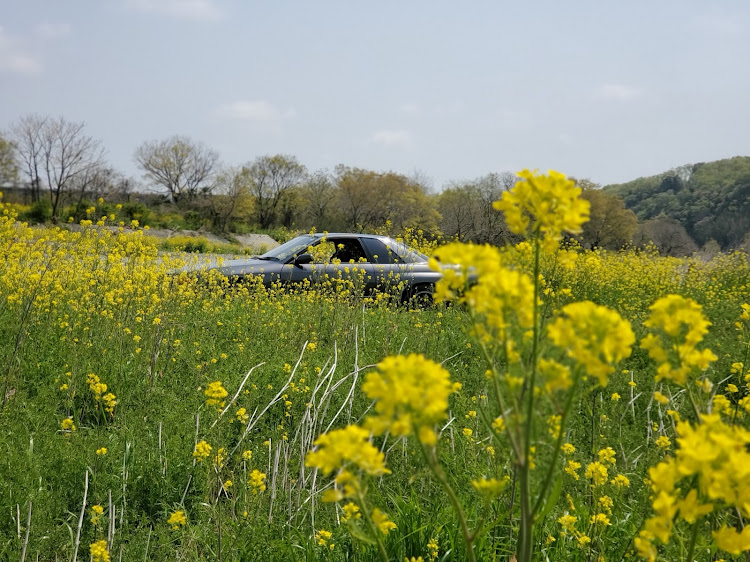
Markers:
(422, 296)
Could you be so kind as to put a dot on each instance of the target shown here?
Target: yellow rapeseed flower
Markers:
(257, 481)
(177, 519)
(99, 552)
(595, 336)
(345, 447)
(382, 522)
(215, 394)
(551, 201)
(411, 392)
(202, 451)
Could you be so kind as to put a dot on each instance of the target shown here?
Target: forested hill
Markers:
(711, 200)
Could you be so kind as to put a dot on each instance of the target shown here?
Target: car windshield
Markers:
(407, 254)
(289, 249)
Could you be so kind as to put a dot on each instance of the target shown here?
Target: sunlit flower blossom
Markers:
(381, 521)
(99, 552)
(682, 321)
(351, 511)
(177, 519)
(595, 336)
(215, 394)
(341, 448)
(257, 481)
(597, 473)
(551, 201)
(411, 394)
(202, 450)
(490, 488)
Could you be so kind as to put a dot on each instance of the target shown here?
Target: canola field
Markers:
(564, 405)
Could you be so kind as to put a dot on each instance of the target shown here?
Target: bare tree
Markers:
(668, 236)
(55, 152)
(319, 193)
(27, 135)
(186, 169)
(272, 177)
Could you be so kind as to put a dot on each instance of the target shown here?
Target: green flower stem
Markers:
(525, 547)
(693, 403)
(498, 393)
(370, 523)
(693, 537)
(558, 445)
(437, 470)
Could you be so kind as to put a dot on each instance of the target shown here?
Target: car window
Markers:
(294, 247)
(379, 251)
(407, 254)
(348, 250)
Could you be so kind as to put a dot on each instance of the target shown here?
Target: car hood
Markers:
(245, 266)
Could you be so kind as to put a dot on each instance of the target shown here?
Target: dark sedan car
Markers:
(382, 263)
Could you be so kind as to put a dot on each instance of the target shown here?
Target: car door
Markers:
(349, 264)
(390, 274)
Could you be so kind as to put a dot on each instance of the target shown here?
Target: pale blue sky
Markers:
(605, 90)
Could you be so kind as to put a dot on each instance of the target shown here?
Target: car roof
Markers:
(350, 235)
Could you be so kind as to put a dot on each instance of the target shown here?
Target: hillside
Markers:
(711, 200)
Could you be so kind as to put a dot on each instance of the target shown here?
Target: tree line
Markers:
(61, 169)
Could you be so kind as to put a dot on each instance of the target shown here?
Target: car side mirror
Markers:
(303, 259)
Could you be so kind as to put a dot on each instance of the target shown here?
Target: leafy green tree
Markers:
(710, 200)
(368, 200)
(610, 225)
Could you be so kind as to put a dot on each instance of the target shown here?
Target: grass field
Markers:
(153, 417)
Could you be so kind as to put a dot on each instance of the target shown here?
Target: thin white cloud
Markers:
(393, 138)
(13, 58)
(51, 31)
(410, 108)
(618, 92)
(259, 111)
(197, 10)
(718, 23)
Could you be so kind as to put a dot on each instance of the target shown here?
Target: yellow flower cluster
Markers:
(99, 552)
(552, 201)
(351, 512)
(411, 394)
(498, 295)
(715, 455)
(683, 322)
(258, 481)
(322, 537)
(67, 425)
(202, 451)
(343, 448)
(99, 390)
(490, 488)
(97, 511)
(177, 519)
(595, 336)
(215, 394)
(382, 522)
